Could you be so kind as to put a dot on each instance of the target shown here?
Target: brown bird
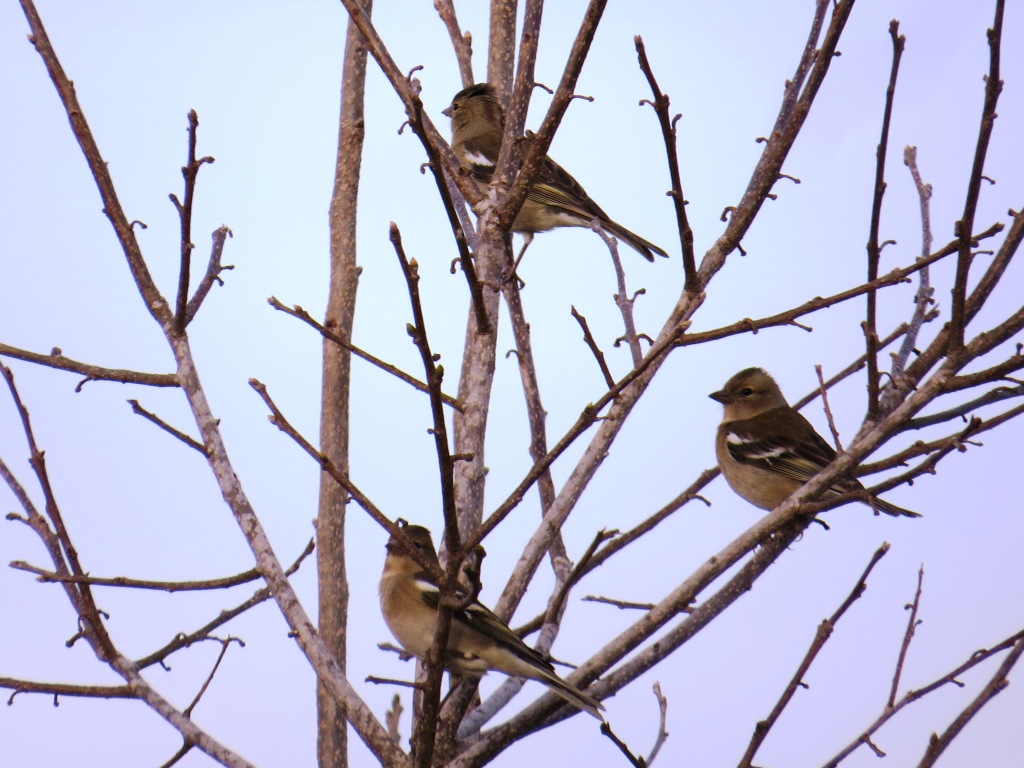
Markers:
(767, 450)
(555, 198)
(478, 640)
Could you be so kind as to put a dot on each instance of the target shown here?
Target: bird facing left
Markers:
(555, 199)
(478, 640)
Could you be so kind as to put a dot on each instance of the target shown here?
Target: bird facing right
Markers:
(767, 450)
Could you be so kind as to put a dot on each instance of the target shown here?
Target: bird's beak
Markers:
(447, 112)
(721, 396)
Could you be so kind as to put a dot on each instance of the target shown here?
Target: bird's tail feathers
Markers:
(645, 248)
(892, 509)
(571, 694)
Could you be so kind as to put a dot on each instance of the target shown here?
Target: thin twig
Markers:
(662, 720)
(1015, 641)
(209, 678)
(634, 760)
(622, 604)
(821, 637)
(622, 300)
(392, 681)
(912, 623)
(186, 439)
(828, 411)
(873, 248)
(588, 337)
(55, 359)
(212, 274)
(462, 43)
(65, 689)
(185, 640)
(660, 104)
(993, 87)
(301, 314)
(190, 171)
(923, 297)
(937, 744)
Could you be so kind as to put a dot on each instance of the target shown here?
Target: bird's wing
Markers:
(478, 158)
(556, 187)
(782, 441)
(481, 619)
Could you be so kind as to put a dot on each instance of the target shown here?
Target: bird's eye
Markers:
(746, 392)
(455, 107)
(418, 544)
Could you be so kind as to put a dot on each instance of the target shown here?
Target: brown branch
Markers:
(184, 641)
(66, 689)
(278, 419)
(874, 251)
(908, 635)
(224, 582)
(660, 104)
(787, 317)
(993, 86)
(393, 681)
(588, 337)
(183, 750)
(961, 411)
(539, 143)
(462, 43)
(537, 416)
(587, 418)
(187, 440)
(937, 744)
(621, 297)
(434, 373)
(821, 637)
(212, 274)
(828, 411)
(662, 721)
(620, 604)
(57, 360)
(301, 314)
(923, 297)
(1015, 642)
(190, 171)
(209, 678)
(634, 760)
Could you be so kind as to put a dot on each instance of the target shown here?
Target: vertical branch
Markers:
(537, 417)
(501, 51)
(874, 250)
(668, 135)
(462, 43)
(434, 375)
(623, 301)
(912, 623)
(189, 171)
(333, 593)
(993, 86)
(923, 297)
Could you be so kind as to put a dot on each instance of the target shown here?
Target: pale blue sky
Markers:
(264, 78)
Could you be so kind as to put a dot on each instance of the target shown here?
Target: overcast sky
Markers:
(264, 79)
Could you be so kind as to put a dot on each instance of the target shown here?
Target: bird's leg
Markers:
(527, 239)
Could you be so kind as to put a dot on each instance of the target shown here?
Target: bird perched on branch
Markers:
(478, 640)
(767, 450)
(555, 198)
